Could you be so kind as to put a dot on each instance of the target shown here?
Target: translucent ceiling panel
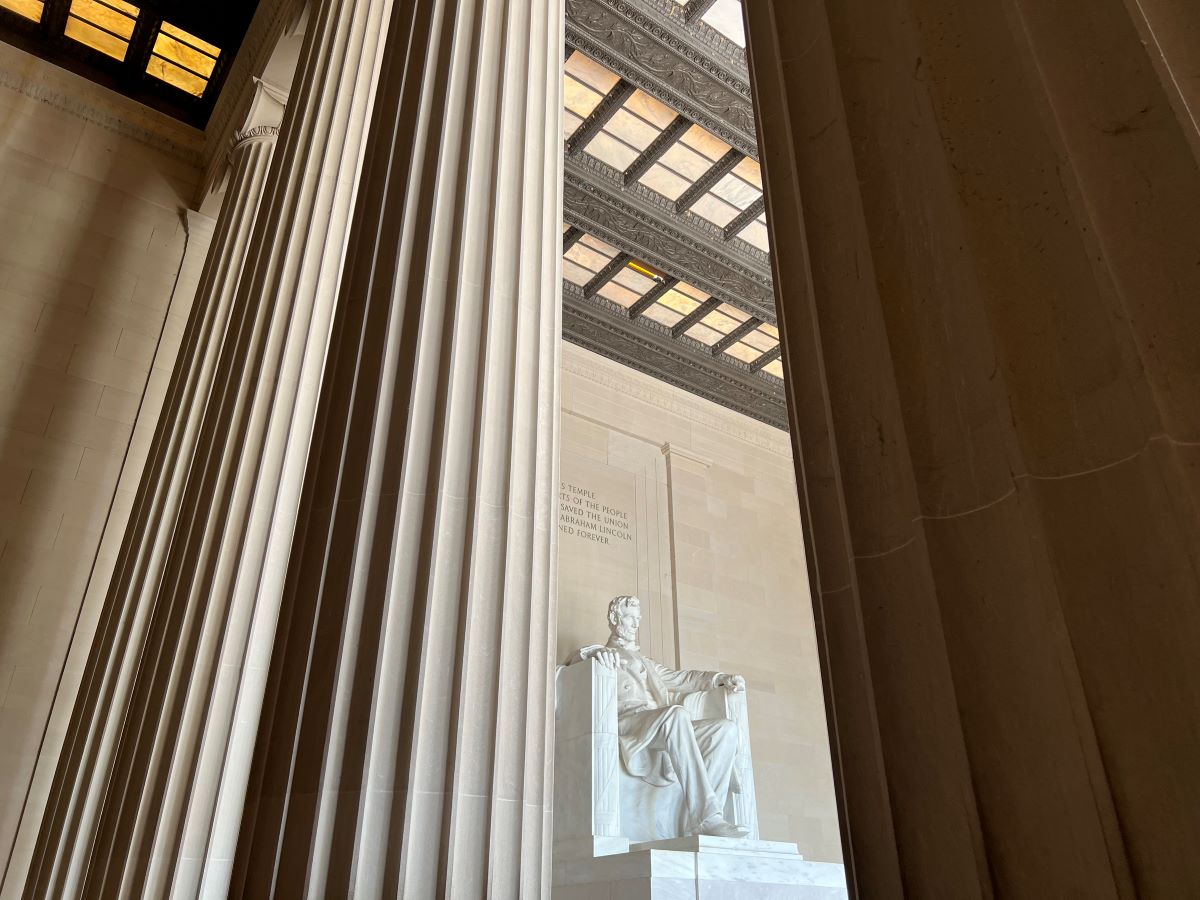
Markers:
(664, 181)
(664, 315)
(775, 367)
(726, 17)
(744, 352)
(756, 234)
(705, 143)
(182, 59)
(732, 189)
(715, 210)
(104, 26)
(585, 258)
(724, 318)
(586, 70)
(704, 334)
(30, 9)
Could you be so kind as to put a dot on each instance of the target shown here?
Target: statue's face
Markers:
(626, 626)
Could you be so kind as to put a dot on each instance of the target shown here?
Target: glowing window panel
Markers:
(570, 123)
(646, 107)
(662, 314)
(663, 181)
(755, 234)
(631, 129)
(750, 171)
(714, 210)
(704, 334)
(575, 273)
(103, 25)
(724, 318)
(621, 296)
(704, 143)
(30, 9)
(680, 302)
(579, 98)
(774, 367)
(182, 60)
(733, 189)
(726, 17)
(589, 72)
(634, 281)
(760, 340)
(744, 352)
(685, 162)
(769, 330)
(607, 148)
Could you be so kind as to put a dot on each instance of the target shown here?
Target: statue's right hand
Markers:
(606, 656)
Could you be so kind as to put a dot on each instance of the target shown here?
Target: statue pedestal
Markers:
(697, 868)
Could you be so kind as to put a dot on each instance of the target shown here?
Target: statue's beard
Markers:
(626, 637)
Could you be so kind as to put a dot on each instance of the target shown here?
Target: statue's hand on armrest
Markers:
(733, 683)
(606, 656)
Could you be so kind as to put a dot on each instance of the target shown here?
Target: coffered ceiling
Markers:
(666, 263)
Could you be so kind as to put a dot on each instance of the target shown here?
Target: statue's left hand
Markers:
(734, 683)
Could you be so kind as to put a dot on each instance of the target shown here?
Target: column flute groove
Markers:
(151, 785)
(405, 748)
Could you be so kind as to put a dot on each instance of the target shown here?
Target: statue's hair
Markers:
(618, 605)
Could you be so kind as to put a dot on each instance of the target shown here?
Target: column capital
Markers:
(263, 116)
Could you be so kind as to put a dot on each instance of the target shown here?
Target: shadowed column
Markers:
(985, 228)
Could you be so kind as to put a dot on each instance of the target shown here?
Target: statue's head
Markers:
(624, 617)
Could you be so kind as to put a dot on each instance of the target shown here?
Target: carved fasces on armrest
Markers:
(586, 753)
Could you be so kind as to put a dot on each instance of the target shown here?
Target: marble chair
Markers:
(599, 808)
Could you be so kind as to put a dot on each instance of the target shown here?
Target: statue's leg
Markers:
(677, 737)
(718, 743)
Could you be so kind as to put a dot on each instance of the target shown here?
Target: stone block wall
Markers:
(693, 507)
(93, 190)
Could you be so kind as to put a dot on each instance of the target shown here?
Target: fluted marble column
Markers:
(150, 787)
(403, 749)
(986, 233)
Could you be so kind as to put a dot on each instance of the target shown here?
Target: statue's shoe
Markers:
(718, 827)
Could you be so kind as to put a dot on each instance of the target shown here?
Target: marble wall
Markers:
(693, 507)
(92, 251)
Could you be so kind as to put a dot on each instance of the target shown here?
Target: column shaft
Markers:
(151, 784)
(404, 745)
(985, 241)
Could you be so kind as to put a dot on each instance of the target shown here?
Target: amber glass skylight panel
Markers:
(761, 340)
(578, 98)
(625, 135)
(103, 25)
(685, 162)
(679, 301)
(30, 9)
(749, 171)
(724, 318)
(587, 71)
(743, 351)
(182, 59)
(646, 107)
(586, 257)
(705, 143)
(662, 314)
(774, 367)
(704, 334)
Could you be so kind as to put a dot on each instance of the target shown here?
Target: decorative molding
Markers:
(644, 46)
(607, 373)
(71, 100)
(594, 201)
(648, 347)
(674, 451)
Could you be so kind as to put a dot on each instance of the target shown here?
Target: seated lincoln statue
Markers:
(661, 741)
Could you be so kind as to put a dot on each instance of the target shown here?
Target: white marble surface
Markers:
(710, 869)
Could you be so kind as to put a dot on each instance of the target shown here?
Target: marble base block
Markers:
(699, 868)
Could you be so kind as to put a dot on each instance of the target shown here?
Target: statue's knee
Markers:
(677, 717)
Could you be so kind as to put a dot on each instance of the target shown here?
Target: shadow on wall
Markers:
(91, 241)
